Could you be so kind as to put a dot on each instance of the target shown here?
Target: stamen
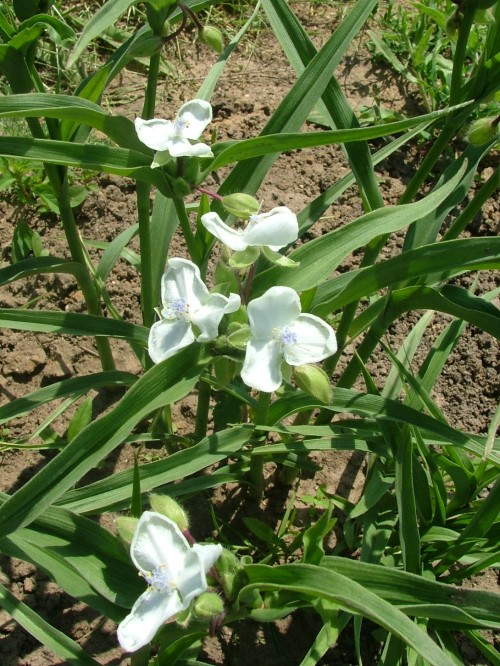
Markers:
(177, 309)
(159, 579)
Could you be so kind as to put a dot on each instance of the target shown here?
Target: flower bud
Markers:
(483, 130)
(207, 606)
(315, 381)
(212, 37)
(231, 573)
(168, 507)
(225, 369)
(126, 528)
(241, 205)
(238, 337)
(453, 24)
(181, 187)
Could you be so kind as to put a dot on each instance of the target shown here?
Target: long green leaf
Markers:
(280, 143)
(435, 263)
(320, 257)
(115, 490)
(316, 582)
(166, 382)
(296, 106)
(63, 646)
(409, 590)
(64, 107)
(72, 324)
(62, 389)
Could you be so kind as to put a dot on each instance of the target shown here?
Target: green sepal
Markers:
(278, 259)
(245, 258)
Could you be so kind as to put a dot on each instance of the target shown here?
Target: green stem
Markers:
(256, 473)
(200, 428)
(147, 305)
(460, 52)
(148, 109)
(473, 207)
(187, 231)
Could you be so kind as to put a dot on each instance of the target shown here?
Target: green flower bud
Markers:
(483, 130)
(453, 24)
(239, 337)
(241, 204)
(181, 187)
(232, 574)
(315, 381)
(225, 369)
(207, 606)
(212, 37)
(244, 258)
(171, 509)
(126, 527)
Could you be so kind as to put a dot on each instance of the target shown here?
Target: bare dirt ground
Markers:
(253, 85)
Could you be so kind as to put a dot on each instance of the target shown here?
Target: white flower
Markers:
(275, 229)
(175, 573)
(280, 332)
(187, 303)
(172, 138)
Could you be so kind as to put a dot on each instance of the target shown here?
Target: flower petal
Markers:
(156, 133)
(180, 147)
(262, 366)
(275, 229)
(315, 341)
(182, 280)
(194, 116)
(208, 554)
(167, 337)
(208, 317)
(158, 541)
(233, 238)
(149, 612)
(275, 309)
(192, 581)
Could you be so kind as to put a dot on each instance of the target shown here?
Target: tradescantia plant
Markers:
(251, 336)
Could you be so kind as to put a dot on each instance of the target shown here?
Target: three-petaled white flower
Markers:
(280, 332)
(173, 138)
(275, 229)
(174, 571)
(187, 303)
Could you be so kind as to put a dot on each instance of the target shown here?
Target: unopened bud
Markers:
(207, 606)
(453, 24)
(168, 507)
(241, 205)
(238, 337)
(126, 528)
(315, 381)
(231, 573)
(212, 37)
(483, 130)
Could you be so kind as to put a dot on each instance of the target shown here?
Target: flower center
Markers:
(159, 579)
(181, 125)
(288, 337)
(177, 309)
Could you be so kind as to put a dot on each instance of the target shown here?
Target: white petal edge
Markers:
(262, 365)
(167, 337)
(233, 238)
(198, 114)
(315, 341)
(276, 308)
(181, 279)
(155, 133)
(179, 147)
(149, 612)
(156, 540)
(209, 316)
(275, 229)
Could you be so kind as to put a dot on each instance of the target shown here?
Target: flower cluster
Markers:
(279, 332)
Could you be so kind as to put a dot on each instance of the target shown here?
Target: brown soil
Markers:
(253, 85)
